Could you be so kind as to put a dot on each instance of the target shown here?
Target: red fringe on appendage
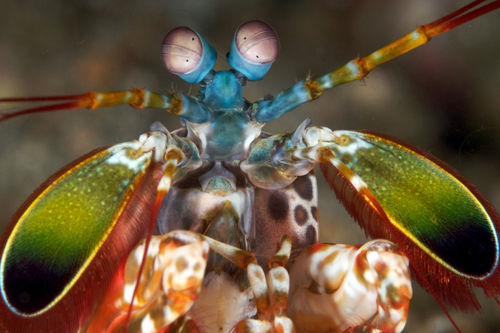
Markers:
(447, 287)
(72, 312)
(456, 18)
(425, 283)
(152, 221)
(73, 102)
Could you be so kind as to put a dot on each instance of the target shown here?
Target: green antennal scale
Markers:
(417, 197)
(404, 180)
(214, 226)
(69, 220)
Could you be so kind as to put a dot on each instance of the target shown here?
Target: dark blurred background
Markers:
(443, 97)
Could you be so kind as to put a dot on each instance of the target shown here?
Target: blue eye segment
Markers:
(254, 49)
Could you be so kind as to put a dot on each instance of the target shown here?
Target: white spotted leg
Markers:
(171, 280)
(270, 291)
(343, 288)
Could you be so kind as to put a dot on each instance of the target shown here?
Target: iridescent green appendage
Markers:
(425, 200)
(60, 231)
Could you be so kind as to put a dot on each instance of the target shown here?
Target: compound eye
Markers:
(181, 50)
(254, 49)
(187, 54)
(257, 42)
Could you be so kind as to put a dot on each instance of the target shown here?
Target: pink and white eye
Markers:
(181, 50)
(257, 42)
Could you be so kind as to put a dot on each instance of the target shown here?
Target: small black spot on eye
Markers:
(192, 38)
(257, 56)
(277, 206)
(303, 187)
(301, 215)
(187, 60)
(311, 235)
(314, 212)
(244, 38)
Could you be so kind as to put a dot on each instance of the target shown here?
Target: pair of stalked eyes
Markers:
(254, 48)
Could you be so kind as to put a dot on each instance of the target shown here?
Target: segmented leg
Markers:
(338, 288)
(270, 294)
(304, 91)
(170, 282)
(184, 106)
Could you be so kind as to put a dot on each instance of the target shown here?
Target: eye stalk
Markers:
(187, 54)
(253, 50)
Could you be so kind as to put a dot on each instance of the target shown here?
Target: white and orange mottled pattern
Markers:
(335, 288)
(170, 282)
(270, 295)
(328, 288)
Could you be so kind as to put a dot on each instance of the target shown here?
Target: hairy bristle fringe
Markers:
(447, 287)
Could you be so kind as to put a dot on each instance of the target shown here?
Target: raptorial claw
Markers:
(337, 288)
(170, 283)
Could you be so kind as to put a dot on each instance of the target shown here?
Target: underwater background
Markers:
(443, 97)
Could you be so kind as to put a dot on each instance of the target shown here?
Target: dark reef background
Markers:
(443, 97)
